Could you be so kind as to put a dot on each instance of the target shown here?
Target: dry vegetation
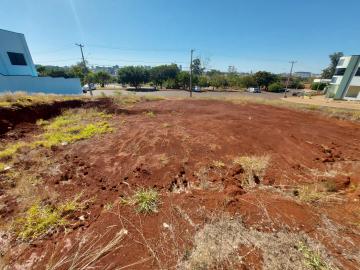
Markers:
(218, 244)
(254, 168)
(24, 99)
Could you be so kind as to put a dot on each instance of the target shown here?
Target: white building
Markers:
(345, 84)
(18, 72)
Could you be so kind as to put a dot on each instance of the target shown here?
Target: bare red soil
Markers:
(174, 151)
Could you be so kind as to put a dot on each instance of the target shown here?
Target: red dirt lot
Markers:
(185, 149)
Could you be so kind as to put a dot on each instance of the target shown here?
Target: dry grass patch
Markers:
(218, 164)
(131, 99)
(24, 99)
(217, 244)
(88, 251)
(254, 168)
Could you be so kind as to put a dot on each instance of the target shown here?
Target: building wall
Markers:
(40, 84)
(15, 42)
(346, 86)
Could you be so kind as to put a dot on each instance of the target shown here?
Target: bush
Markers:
(318, 86)
(276, 87)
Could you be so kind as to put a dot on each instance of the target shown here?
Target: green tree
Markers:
(160, 74)
(183, 79)
(247, 81)
(218, 81)
(203, 81)
(264, 78)
(276, 87)
(133, 75)
(196, 67)
(102, 77)
(328, 72)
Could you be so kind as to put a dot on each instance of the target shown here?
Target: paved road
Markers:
(184, 94)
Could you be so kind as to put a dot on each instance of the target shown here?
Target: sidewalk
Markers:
(322, 101)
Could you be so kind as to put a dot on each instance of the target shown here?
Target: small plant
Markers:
(42, 122)
(150, 114)
(108, 206)
(312, 258)
(145, 200)
(218, 164)
(164, 159)
(2, 167)
(254, 168)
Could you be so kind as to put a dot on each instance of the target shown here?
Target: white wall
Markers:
(15, 42)
(40, 84)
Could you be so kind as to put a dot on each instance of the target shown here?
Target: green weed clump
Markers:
(145, 200)
(65, 131)
(40, 219)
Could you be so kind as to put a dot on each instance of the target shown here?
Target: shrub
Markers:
(318, 86)
(276, 87)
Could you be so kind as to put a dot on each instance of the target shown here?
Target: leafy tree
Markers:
(264, 78)
(203, 81)
(213, 72)
(196, 67)
(318, 86)
(328, 72)
(247, 81)
(90, 77)
(160, 74)
(183, 79)
(102, 77)
(218, 81)
(133, 75)
(276, 87)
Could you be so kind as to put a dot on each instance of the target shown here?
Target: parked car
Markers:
(88, 87)
(254, 90)
(197, 89)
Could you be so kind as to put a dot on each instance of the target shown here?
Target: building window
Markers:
(17, 59)
(357, 72)
(340, 71)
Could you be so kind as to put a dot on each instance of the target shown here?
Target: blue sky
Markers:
(251, 35)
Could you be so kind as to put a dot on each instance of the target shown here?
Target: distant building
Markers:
(303, 74)
(18, 72)
(345, 84)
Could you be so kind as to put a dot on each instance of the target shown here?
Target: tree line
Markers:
(173, 77)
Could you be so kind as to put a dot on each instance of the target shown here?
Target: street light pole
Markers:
(288, 79)
(191, 63)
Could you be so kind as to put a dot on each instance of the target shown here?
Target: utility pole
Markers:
(84, 64)
(288, 79)
(191, 63)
